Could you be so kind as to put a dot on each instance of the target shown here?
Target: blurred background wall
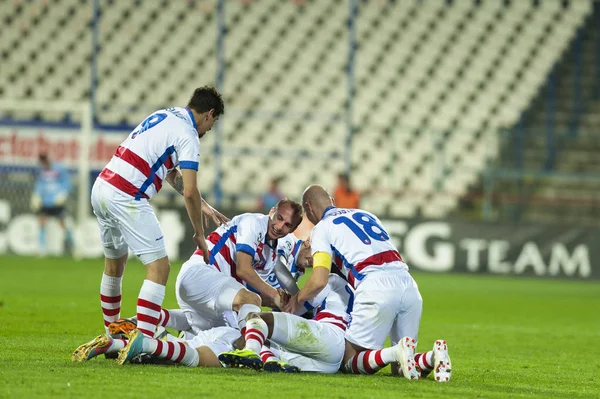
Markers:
(452, 110)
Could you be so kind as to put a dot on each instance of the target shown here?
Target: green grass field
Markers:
(508, 337)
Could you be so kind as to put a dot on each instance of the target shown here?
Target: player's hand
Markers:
(60, 199)
(36, 202)
(209, 212)
(201, 243)
(284, 297)
(292, 305)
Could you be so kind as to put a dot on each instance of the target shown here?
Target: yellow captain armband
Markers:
(322, 259)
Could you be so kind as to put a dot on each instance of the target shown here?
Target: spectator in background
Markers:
(49, 197)
(344, 196)
(269, 199)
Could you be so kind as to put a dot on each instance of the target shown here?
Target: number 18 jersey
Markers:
(357, 242)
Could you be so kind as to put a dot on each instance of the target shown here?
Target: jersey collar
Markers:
(192, 117)
(327, 210)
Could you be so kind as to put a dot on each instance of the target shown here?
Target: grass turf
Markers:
(508, 337)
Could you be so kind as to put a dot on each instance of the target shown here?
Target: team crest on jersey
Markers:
(260, 237)
(289, 245)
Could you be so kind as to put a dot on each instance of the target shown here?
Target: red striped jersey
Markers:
(334, 303)
(357, 243)
(166, 139)
(246, 233)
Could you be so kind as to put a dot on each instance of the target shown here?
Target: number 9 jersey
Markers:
(357, 243)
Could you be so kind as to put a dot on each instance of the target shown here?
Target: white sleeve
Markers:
(319, 240)
(188, 150)
(249, 235)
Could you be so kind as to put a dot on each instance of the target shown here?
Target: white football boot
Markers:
(442, 366)
(406, 358)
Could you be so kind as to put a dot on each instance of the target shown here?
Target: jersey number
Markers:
(368, 224)
(148, 123)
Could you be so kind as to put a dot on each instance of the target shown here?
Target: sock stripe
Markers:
(365, 360)
(110, 299)
(106, 323)
(256, 337)
(111, 312)
(144, 318)
(424, 360)
(378, 359)
(170, 350)
(165, 316)
(355, 369)
(266, 355)
(261, 336)
(147, 333)
(182, 349)
(150, 305)
(159, 348)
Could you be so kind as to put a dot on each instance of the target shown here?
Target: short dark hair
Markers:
(296, 207)
(206, 98)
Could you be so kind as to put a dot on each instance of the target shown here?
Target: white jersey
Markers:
(288, 248)
(334, 303)
(357, 243)
(246, 233)
(166, 139)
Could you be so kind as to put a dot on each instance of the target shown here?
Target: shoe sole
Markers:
(442, 366)
(119, 328)
(276, 367)
(232, 360)
(134, 347)
(85, 352)
(406, 355)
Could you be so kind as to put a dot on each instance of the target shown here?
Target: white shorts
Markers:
(308, 344)
(204, 294)
(219, 339)
(126, 223)
(385, 303)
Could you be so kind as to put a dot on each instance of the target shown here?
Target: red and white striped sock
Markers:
(175, 351)
(256, 333)
(369, 362)
(116, 344)
(242, 313)
(425, 362)
(110, 298)
(267, 355)
(148, 307)
(173, 318)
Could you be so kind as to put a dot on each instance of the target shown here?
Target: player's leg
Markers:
(115, 257)
(169, 318)
(102, 344)
(244, 303)
(374, 313)
(142, 233)
(42, 238)
(66, 229)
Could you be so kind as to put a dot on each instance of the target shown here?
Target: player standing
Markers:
(387, 300)
(120, 198)
(50, 194)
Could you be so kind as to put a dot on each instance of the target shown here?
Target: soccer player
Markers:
(387, 300)
(50, 194)
(239, 249)
(120, 198)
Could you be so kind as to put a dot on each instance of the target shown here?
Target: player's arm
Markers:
(175, 179)
(246, 272)
(318, 279)
(193, 205)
